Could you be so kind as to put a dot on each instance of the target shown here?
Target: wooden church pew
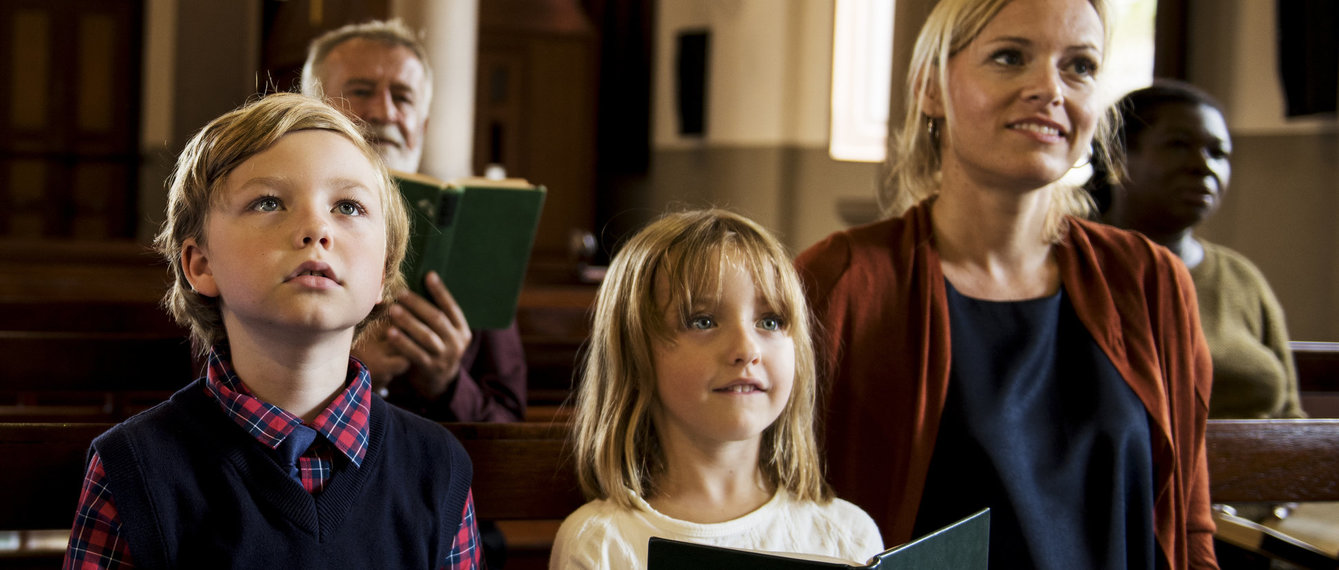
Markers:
(84, 376)
(1318, 377)
(523, 479)
(1272, 461)
(523, 471)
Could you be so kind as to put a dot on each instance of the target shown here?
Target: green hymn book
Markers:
(476, 234)
(963, 545)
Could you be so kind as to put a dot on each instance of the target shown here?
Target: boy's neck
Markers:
(301, 378)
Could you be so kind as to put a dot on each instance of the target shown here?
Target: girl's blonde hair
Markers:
(616, 446)
(914, 159)
(202, 171)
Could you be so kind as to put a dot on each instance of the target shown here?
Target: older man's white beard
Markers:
(393, 149)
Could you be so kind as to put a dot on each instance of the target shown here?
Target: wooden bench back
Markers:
(1273, 460)
(145, 317)
(1318, 377)
(89, 376)
(84, 361)
(1317, 365)
(521, 471)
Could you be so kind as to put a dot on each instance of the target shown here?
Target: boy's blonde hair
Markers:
(202, 171)
(617, 450)
(914, 159)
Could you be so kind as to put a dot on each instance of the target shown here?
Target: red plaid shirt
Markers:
(96, 542)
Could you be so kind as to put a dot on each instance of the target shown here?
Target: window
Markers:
(862, 63)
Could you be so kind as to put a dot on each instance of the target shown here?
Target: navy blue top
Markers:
(1040, 427)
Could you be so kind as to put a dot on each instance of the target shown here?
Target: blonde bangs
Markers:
(689, 277)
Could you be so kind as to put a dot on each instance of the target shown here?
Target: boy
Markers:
(284, 234)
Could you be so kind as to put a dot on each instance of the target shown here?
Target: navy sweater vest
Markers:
(193, 490)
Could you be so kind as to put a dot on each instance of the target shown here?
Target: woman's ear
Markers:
(931, 98)
(195, 265)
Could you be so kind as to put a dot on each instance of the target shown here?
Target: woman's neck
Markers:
(709, 483)
(301, 378)
(992, 243)
(1185, 246)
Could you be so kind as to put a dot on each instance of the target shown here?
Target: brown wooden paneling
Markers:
(535, 108)
(290, 25)
(69, 117)
(1171, 41)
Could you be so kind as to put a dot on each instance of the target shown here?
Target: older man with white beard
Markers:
(427, 358)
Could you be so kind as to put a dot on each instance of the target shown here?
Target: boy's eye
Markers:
(772, 323)
(265, 204)
(701, 322)
(350, 208)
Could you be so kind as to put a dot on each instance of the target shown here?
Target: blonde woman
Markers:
(990, 348)
(694, 416)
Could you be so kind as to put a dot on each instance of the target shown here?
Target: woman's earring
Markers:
(932, 130)
(1088, 157)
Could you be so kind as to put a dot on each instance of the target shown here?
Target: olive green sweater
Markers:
(1253, 371)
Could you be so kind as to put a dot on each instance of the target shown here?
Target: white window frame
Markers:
(862, 66)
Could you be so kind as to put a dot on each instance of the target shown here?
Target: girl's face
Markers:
(1021, 108)
(727, 373)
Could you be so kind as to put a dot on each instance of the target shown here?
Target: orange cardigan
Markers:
(877, 292)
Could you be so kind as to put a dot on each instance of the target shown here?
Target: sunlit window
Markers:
(1129, 64)
(862, 62)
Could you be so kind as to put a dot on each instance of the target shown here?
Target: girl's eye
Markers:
(772, 323)
(265, 204)
(701, 322)
(350, 208)
(1007, 57)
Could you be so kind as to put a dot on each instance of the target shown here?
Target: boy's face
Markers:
(296, 241)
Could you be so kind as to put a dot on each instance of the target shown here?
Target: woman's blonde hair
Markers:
(202, 171)
(914, 159)
(616, 446)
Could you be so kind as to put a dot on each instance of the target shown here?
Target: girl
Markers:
(695, 410)
(1004, 351)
